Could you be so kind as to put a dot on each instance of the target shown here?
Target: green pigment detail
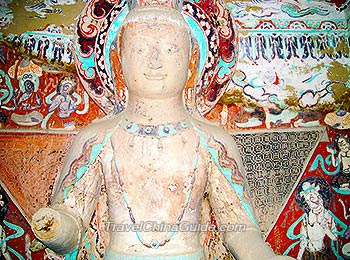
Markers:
(227, 172)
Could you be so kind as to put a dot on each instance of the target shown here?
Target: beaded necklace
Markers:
(140, 130)
(153, 131)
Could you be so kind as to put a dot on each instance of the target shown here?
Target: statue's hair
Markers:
(152, 13)
(156, 13)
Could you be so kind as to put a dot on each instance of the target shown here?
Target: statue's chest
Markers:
(167, 174)
(170, 169)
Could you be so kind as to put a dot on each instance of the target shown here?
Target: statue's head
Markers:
(155, 47)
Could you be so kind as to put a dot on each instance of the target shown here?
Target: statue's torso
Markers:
(155, 174)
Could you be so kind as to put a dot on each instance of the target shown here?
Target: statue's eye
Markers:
(172, 49)
(141, 48)
(138, 49)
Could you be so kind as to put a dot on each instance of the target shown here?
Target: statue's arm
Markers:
(230, 201)
(61, 226)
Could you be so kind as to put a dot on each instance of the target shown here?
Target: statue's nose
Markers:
(154, 59)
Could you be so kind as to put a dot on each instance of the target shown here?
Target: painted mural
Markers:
(16, 236)
(35, 94)
(279, 81)
(39, 86)
(314, 223)
(293, 67)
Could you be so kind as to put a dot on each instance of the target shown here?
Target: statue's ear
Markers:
(116, 67)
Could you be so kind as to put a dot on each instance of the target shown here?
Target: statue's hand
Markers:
(57, 230)
(45, 223)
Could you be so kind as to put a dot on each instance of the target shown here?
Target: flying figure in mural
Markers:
(152, 164)
(45, 7)
(318, 222)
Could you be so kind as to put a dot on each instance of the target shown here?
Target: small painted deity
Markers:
(64, 101)
(29, 98)
(340, 154)
(26, 98)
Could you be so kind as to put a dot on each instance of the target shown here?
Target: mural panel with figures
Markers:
(315, 222)
(35, 95)
(293, 66)
(293, 61)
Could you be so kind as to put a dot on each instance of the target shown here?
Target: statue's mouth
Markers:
(154, 77)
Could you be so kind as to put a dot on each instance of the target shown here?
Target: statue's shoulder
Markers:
(89, 142)
(212, 131)
(214, 137)
(99, 127)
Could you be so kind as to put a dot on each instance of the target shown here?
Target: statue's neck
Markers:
(155, 111)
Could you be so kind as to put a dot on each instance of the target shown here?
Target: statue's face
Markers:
(155, 58)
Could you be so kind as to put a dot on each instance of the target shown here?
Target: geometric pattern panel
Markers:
(314, 221)
(273, 162)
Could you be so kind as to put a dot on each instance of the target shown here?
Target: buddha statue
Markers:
(155, 162)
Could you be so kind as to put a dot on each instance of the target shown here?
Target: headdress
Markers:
(307, 187)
